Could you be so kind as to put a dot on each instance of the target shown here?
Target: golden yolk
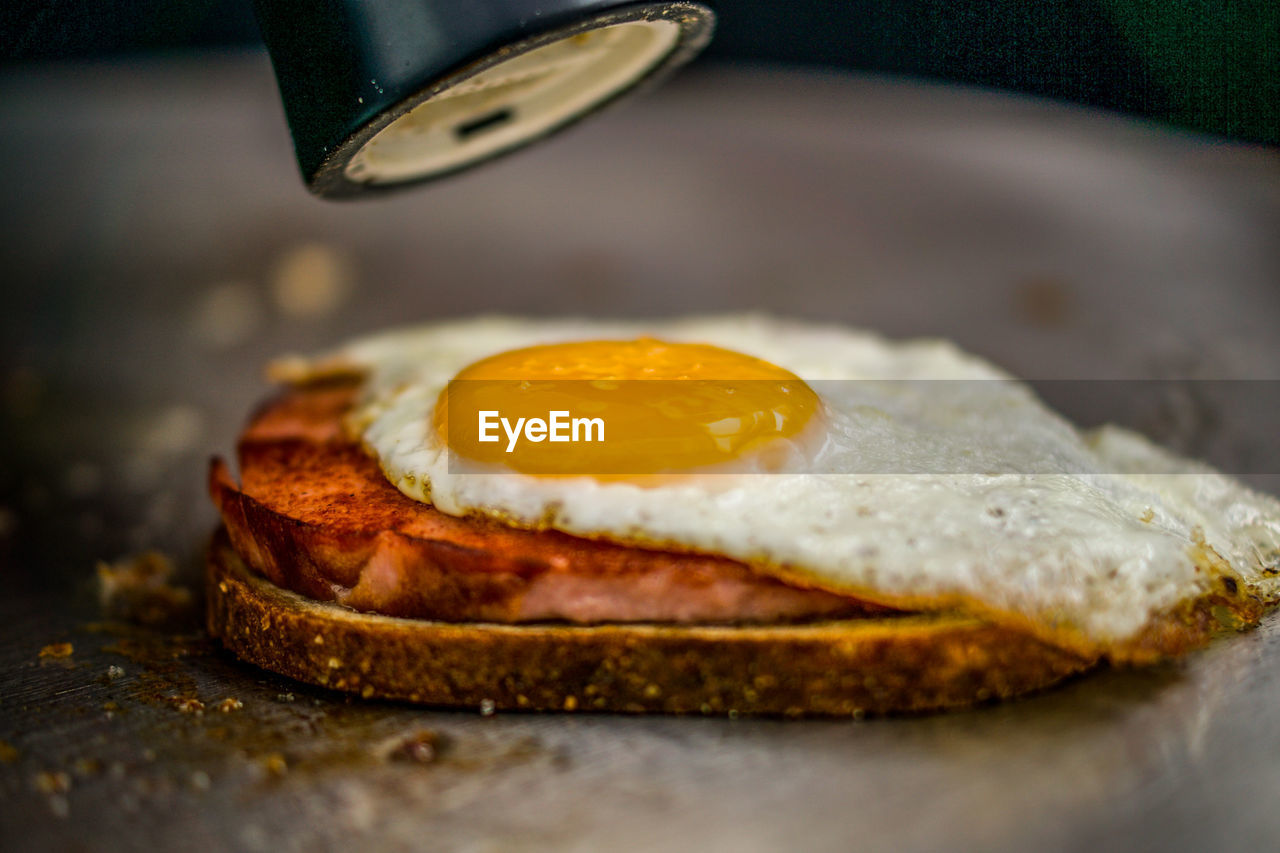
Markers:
(614, 409)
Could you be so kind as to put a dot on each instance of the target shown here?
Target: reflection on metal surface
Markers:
(882, 204)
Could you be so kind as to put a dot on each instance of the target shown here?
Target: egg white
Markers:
(922, 492)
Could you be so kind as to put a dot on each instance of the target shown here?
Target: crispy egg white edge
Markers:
(1095, 532)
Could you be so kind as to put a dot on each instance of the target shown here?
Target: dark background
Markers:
(155, 228)
(1201, 64)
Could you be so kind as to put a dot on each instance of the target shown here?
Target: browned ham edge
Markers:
(315, 515)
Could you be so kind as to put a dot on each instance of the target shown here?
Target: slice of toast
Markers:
(875, 665)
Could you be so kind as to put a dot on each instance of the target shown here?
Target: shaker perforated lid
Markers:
(381, 94)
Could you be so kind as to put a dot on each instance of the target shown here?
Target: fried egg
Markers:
(913, 474)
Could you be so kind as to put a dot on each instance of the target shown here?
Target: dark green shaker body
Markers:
(349, 69)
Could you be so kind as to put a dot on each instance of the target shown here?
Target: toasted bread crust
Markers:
(835, 668)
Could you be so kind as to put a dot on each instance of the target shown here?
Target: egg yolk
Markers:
(619, 409)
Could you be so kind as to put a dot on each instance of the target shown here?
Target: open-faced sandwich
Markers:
(715, 515)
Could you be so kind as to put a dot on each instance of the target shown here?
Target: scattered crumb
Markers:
(187, 704)
(487, 707)
(230, 704)
(137, 589)
(227, 314)
(52, 782)
(175, 430)
(285, 697)
(59, 806)
(57, 651)
(8, 754)
(1148, 515)
(310, 280)
(421, 747)
(114, 672)
(275, 765)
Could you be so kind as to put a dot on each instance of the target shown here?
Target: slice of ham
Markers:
(315, 515)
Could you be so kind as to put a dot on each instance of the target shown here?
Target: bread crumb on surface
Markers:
(227, 314)
(178, 428)
(275, 764)
(52, 782)
(59, 806)
(310, 280)
(57, 651)
(420, 747)
(137, 589)
(230, 704)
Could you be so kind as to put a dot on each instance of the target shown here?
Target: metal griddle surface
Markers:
(158, 249)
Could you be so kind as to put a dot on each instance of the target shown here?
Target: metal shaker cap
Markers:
(381, 94)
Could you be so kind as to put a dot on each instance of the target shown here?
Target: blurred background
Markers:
(823, 160)
(1208, 65)
(1076, 190)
